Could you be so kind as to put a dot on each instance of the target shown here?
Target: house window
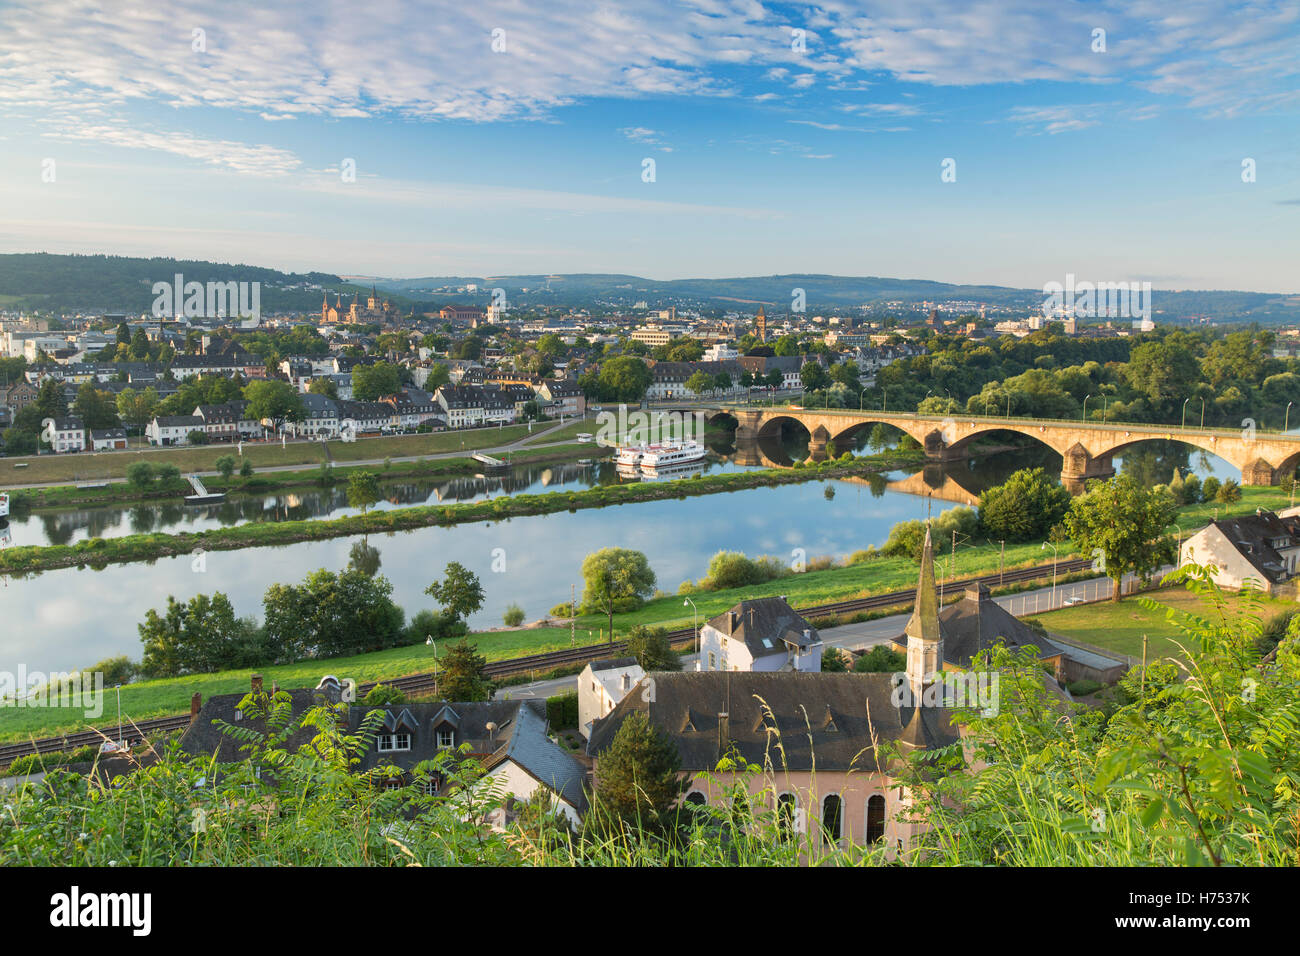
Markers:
(712, 661)
(394, 742)
(446, 739)
(785, 807)
(875, 819)
(431, 786)
(832, 813)
(696, 799)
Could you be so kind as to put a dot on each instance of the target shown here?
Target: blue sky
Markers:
(1115, 164)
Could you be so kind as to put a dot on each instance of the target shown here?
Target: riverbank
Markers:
(155, 698)
(100, 552)
(50, 499)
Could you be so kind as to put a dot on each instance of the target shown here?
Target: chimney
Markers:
(196, 705)
(977, 592)
(624, 681)
(733, 618)
(807, 636)
(257, 683)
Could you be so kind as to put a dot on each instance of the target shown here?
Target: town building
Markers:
(601, 685)
(761, 634)
(1257, 551)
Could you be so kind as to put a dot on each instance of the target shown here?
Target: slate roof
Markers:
(1258, 537)
(812, 715)
(765, 625)
(520, 734)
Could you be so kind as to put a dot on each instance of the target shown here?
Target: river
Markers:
(69, 618)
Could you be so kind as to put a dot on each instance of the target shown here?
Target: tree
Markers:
(137, 408)
(95, 408)
(246, 469)
(332, 614)
(363, 489)
(624, 379)
(1228, 492)
(459, 592)
(1024, 506)
(370, 382)
(616, 579)
(813, 376)
(274, 401)
(139, 474)
(651, 649)
(225, 466)
(639, 782)
(50, 401)
(700, 382)
(775, 378)
(324, 386)
(460, 674)
(1123, 524)
(199, 636)
(880, 660)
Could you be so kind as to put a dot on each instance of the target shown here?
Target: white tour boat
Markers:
(669, 453)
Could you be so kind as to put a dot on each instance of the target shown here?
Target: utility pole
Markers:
(573, 615)
(1143, 690)
(1002, 557)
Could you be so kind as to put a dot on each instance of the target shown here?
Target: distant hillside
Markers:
(821, 292)
(98, 284)
(93, 284)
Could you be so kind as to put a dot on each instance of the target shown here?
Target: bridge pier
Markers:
(817, 442)
(938, 450)
(1258, 472)
(1078, 468)
(747, 451)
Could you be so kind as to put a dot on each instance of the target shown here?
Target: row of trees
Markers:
(329, 614)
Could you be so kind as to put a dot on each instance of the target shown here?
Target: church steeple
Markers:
(924, 637)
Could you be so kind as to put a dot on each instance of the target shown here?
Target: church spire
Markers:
(924, 636)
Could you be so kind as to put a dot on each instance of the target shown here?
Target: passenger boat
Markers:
(669, 453)
(631, 454)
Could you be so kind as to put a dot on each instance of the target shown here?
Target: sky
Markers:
(1006, 142)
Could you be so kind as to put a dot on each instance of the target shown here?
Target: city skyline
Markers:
(226, 134)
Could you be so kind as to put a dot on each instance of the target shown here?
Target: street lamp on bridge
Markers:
(1183, 425)
(1085, 406)
(1287, 421)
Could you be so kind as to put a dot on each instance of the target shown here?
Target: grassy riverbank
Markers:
(88, 466)
(70, 496)
(98, 552)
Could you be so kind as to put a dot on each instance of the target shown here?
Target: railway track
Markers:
(541, 663)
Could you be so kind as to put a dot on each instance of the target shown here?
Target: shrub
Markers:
(514, 615)
(225, 465)
(1209, 489)
(562, 711)
(140, 474)
(436, 624)
(382, 694)
(116, 670)
(562, 610)
(833, 661)
(246, 469)
(1081, 688)
(881, 659)
(1229, 492)
(197, 437)
(168, 474)
(733, 569)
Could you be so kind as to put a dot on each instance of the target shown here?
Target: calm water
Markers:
(70, 618)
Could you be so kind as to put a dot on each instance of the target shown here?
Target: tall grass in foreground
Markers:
(1198, 763)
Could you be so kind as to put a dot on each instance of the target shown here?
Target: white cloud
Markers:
(241, 157)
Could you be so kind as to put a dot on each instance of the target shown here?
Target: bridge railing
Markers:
(1108, 425)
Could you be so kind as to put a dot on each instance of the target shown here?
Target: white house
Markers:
(601, 685)
(1260, 550)
(65, 434)
(172, 429)
(763, 634)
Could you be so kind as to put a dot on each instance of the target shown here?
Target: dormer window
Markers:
(446, 739)
(395, 741)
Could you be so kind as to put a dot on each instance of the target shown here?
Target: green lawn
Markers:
(1120, 626)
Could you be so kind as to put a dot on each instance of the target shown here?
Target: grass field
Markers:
(88, 466)
(1120, 626)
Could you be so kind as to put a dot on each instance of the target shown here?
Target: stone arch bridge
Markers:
(1086, 448)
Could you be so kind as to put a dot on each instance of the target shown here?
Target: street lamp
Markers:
(1286, 422)
(1202, 413)
(861, 396)
(697, 630)
(884, 398)
(118, 688)
(1046, 545)
(1085, 407)
(1184, 422)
